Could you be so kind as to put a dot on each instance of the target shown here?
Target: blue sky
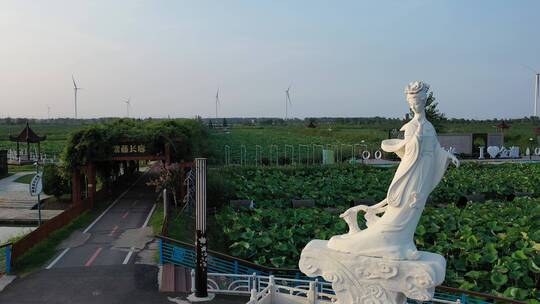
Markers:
(343, 58)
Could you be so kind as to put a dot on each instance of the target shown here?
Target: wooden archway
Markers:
(124, 152)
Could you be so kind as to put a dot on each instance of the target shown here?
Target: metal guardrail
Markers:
(299, 154)
(183, 254)
(5, 258)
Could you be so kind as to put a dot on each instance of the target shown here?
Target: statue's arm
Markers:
(451, 157)
(350, 216)
(366, 208)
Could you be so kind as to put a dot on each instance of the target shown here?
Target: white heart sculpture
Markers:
(493, 151)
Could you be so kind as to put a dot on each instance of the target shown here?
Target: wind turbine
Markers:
(217, 102)
(536, 89)
(287, 101)
(536, 85)
(75, 89)
(48, 112)
(128, 105)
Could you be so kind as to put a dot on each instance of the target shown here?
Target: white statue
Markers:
(423, 163)
(381, 264)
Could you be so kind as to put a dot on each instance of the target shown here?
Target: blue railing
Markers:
(183, 254)
(5, 258)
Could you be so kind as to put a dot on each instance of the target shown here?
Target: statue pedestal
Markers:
(360, 279)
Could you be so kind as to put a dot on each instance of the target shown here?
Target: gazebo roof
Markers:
(27, 135)
(503, 125)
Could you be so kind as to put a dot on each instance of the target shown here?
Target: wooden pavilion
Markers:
(28, 136)
(502, 126)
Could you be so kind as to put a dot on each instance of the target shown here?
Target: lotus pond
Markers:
(340, 185)
(492, 247)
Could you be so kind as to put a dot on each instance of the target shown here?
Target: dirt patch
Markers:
(52, 203)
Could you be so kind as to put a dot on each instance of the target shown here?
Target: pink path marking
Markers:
(113, 230)
(93, 257)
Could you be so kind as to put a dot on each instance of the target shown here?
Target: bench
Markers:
(303, 203)
(242, 204)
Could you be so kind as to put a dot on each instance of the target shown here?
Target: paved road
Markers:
(102, 264)
(130, 284)
(97, 245)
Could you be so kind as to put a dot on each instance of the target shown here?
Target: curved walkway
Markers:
(11, 191)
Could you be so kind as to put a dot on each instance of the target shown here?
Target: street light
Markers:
(530, 147)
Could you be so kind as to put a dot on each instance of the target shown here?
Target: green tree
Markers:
(312, 123)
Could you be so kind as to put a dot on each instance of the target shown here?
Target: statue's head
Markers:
(416, 93)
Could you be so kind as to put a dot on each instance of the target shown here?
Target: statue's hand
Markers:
(455, 161)
(349, 217)
(351, 212)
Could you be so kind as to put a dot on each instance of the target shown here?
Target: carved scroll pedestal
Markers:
(360, 279)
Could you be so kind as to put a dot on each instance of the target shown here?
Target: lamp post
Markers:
(201, 242)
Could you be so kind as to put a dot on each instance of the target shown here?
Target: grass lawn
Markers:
(292, 140)
(46, 249)
(22, 168)
(25, 179)
(156, 221)
(7, 175)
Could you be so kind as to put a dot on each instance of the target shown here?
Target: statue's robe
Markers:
(409, 151)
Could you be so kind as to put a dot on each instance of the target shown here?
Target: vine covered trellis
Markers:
(96, 143)
(102, 150)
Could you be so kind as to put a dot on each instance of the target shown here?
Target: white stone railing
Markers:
(45, 158)
(276, 290)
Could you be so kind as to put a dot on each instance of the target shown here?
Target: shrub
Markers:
(54, 183)
(219, 189)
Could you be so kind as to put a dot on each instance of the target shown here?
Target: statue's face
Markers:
(417, 102)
